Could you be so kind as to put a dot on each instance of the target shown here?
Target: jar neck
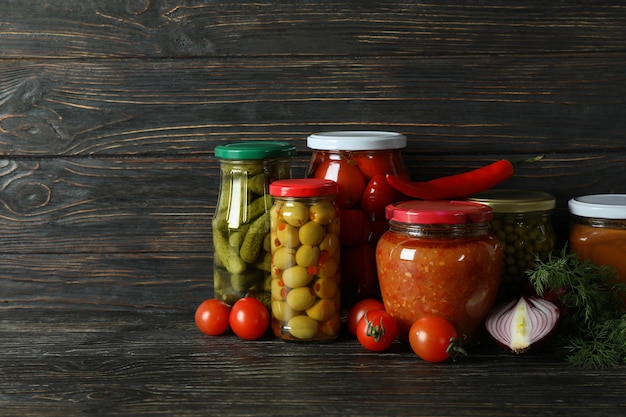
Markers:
(598, 222)
(440, 230)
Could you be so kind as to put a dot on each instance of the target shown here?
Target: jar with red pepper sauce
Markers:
(439, 258)
(358, 162)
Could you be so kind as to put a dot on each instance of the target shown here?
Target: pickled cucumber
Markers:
(253, 241)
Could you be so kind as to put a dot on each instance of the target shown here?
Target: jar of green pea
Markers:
(522, 220)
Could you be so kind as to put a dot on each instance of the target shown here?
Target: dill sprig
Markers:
(592, 332)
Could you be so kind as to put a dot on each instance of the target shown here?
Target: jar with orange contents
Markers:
(598, 230)
(358, 162)
(439, 258)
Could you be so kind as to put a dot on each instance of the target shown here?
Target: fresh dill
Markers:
(592, 332)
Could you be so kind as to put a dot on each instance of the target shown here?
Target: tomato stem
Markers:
(454, 349)
(375, 331)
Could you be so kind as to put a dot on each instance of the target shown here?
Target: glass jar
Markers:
(598, 230)
(358, 161)
(522, 221)
(241, 224)
(439, 258)
(304, 223)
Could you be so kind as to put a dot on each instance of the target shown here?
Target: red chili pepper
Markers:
(458, 185)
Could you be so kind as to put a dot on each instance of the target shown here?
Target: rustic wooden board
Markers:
(446, 106)
(160, 29)
(137, 363)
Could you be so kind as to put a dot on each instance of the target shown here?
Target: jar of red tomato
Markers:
(439, 258)
(358, 162)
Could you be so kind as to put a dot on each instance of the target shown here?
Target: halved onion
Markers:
(522, 323)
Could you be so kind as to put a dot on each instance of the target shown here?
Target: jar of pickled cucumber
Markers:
(598, 230)
(439, 258)
(304, 224)
(522, 221)
(241, 225)
(358, 162)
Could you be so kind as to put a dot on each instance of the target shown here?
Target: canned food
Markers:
(522, 221)
(358, 162)
(305, 248)
(439, 258)
(240, 225)
(598, 230)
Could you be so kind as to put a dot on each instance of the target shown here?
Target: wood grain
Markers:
(183, 29)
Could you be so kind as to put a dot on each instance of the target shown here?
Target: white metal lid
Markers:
(603, 206)
(356, 140)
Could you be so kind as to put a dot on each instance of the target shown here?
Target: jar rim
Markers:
(509, 200)
(251, 150)
(303, 187)
(356, 140)
(604, 206)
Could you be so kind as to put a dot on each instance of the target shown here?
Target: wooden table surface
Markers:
(148, 364)
(109, 114)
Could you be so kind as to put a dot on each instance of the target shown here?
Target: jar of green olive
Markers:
(304, 225)
(522, 222)
(240, 225)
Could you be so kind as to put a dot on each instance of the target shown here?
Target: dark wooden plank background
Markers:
(109, 114)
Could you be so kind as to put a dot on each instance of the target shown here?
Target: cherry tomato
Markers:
(212, 316)
(355, 227)
(348, 177)
(359, 309)
(378, 194)
(431, 337)
(249, 318)
(377, 330)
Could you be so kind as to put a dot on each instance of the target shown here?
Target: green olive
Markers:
(307, 255)
(323, 212)
(296, 276)
(287, 235)
(278, 290)
(300, 298)
(330, 243)
(295, 213)
(302, 327)
(325, 288)
(283, 258)
(322, 310)
(328, 268)
(281, 311)
(311, 233)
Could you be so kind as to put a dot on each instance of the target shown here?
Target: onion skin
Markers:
(522, 323)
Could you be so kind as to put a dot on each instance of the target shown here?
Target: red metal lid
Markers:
(439, 212)
(303, 187)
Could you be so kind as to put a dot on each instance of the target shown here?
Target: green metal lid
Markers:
(515, 201)
(255, 150)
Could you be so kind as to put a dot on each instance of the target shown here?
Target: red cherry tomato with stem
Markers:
(434, 339)
(212, 316)
(377, 330)
(249, 318)
(359, 309)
